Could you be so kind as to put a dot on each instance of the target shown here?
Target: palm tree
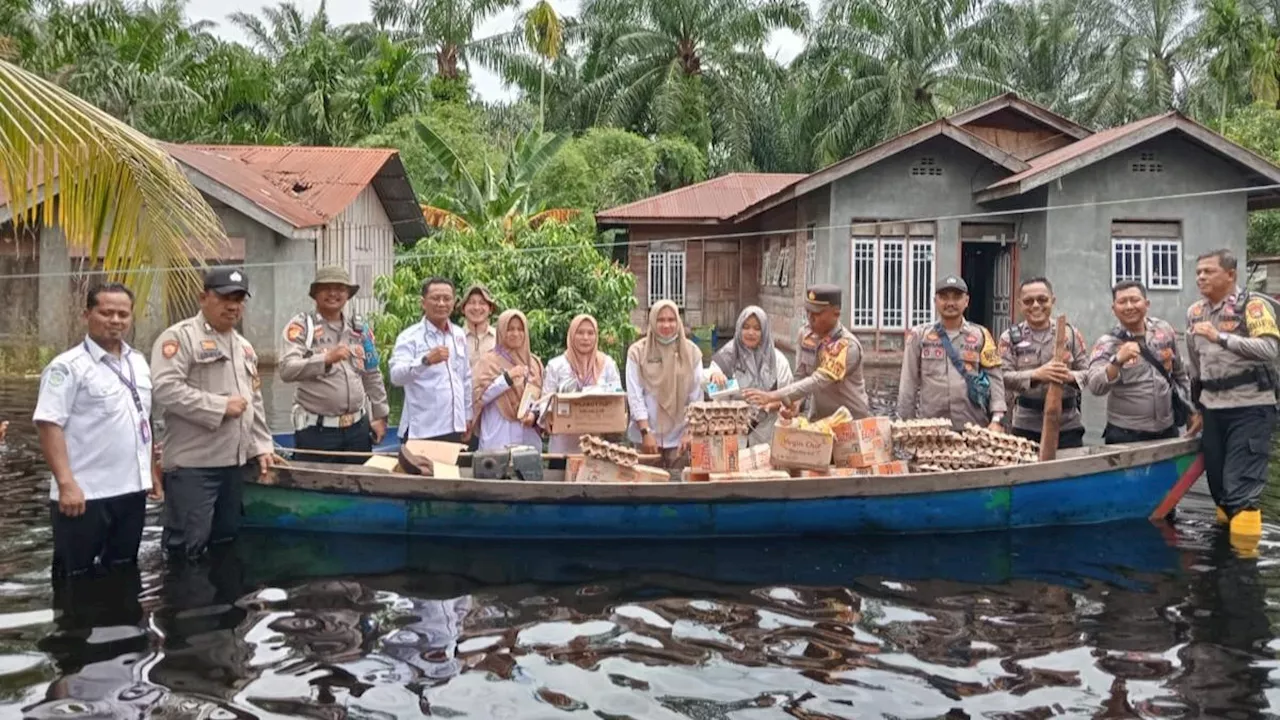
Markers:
(877, 68)
(543, 33)
(682, 67)
(1153, 59)
(447, 27)
(120, 196)
(1232, 37)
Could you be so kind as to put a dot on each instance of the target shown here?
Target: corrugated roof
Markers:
(1063, 154)
(715, 199)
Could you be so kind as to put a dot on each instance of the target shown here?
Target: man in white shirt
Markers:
(430, 362)
(93, 416)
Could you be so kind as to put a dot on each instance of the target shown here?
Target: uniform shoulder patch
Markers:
(990, 357)
(831, 362)
(1260, 320)
(1196, 311)
(293, 333)
(57, 375)
(169, 348)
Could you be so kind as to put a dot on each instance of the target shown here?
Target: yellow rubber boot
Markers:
(1221, 516)
(1246, 532)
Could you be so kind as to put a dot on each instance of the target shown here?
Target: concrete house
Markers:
(285, 211)
(1001, 191)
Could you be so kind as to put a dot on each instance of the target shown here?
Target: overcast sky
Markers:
(784, 45)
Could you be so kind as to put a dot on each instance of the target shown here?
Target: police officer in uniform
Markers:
(332, 358)
(1232, 343)
(1026, 357)
(828, 363)
(951, 369)
(205, 377)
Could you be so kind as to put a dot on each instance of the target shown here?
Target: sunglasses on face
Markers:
(1038, 300)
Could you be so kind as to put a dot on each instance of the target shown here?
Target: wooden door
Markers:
(720, 289)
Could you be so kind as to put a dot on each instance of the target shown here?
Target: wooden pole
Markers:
(1189, 478)
(1053, 400)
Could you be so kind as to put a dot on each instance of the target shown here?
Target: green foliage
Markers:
(551, 273)
(678, 163)
(454, 123)
(1257, 127)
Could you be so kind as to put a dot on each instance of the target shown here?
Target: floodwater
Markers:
(1117, 621)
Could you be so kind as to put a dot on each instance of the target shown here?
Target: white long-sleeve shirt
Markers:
(437, 398)
(559, 377)
(644, 404)
(496, 431)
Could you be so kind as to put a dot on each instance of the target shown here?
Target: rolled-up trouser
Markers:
(1237, 446)
(202, 506)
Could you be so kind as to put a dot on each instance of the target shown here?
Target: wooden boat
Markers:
(1084, 486)
(389, 444)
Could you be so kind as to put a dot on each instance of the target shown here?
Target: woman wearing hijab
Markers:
(751, 359)
(581, 367)
(664, 375)
(501, 377)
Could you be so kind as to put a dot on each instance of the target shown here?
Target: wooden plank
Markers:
(1053, 400)
(1070, 464)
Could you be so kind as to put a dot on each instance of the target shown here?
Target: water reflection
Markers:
(1117, 621)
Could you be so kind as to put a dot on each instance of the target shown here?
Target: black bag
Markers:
(977, 386)
(1181, 408)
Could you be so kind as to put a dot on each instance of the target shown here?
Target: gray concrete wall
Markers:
(58, 312)
(1078, 251)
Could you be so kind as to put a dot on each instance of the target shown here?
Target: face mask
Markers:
(669, 340)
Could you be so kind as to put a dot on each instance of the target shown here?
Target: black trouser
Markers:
(107, 534)
(202, 506)
(453, 437)
(1113, 435)
(1066, 438)
(354, 438)
(1237, 445)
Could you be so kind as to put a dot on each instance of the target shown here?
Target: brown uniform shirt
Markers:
(1210, 361)
(338, 389)
(194, 371)
(478, 345)
(1139, 398)
(829, 373)
(1019, 360)
(930, 386)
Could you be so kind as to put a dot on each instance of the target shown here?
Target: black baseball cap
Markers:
(226, 281)
(952, 282)
(821, 297)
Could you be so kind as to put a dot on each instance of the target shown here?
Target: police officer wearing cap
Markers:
(828, 364)
(1232, 345)
(205, 377)
(332, 358)
(951, 368)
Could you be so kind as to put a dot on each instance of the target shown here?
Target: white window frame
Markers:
(1145, 251)
(912, 310)
(663, 281)
(810, 255)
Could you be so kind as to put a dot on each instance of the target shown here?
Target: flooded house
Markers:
(285, 210)
(998, 192)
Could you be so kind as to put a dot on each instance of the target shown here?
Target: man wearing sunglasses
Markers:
(1026, 351)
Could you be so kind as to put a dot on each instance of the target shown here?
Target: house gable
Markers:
(1108, 143)
(1023, 129)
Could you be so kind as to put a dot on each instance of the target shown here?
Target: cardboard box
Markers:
(756, 457)
(742, 476)
(893, 467)
(864, 443)
(573, 466)
(383, 462)
(595, 470)
(715, 453)
(800, 449)
(528, 400)
(595, 413)
(432, 458)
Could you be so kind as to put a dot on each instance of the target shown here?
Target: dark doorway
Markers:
(978, 268)
(988, 262)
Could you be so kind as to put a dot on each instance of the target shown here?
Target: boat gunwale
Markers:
(395, 486)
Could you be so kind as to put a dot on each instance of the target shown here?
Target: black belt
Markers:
(1068, 403)
(1255, 376)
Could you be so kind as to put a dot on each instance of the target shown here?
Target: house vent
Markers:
(1147, 164)
(927, 167)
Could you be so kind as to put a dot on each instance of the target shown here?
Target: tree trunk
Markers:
(1053, 400)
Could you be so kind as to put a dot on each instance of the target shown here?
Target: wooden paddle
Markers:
(1189, 477)
(1053, 400)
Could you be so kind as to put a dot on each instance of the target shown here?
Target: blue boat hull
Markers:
(471, 509)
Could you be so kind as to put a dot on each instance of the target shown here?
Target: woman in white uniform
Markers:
(501, 377)
(581, 367)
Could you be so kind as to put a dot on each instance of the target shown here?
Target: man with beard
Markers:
(951, 368)
(332, 358)
(1026, 354)
(206, 379)
(1138, 368)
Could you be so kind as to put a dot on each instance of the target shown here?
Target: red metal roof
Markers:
(306, 186)
(715, 199)
(1069, 152)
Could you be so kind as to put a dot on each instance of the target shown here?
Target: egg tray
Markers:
(601, 449)
(719, 418)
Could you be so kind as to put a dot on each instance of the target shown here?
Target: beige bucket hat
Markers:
(333, 275)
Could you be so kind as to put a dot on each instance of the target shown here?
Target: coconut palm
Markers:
(877, 68)
(682, 67)
(120, 197)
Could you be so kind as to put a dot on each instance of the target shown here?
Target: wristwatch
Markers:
(1222, 341)
(1115, 361)
(997, 417)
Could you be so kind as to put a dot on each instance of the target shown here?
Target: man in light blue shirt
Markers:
(430, 362)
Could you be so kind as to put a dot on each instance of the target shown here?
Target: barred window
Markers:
(666, 276)
(1148, 252)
